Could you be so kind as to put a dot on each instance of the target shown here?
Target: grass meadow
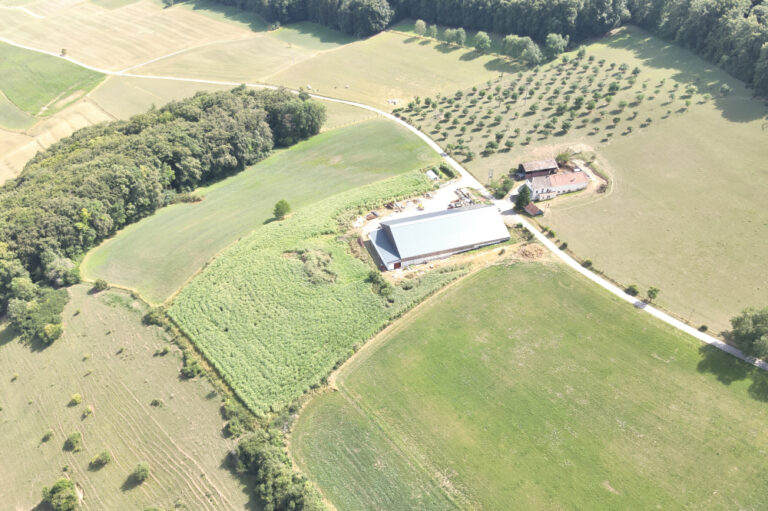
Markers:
(39, 84)
(108, 357)
(526, 384)
(157, 255)
(276, 311)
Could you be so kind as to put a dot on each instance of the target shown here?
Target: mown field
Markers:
(525, 387)
(108, 357)
(39, 84)
(278, 309)
(159, 254)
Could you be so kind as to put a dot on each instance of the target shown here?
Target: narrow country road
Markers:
(469, 180)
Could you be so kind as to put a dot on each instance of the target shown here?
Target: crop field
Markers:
(40, 84)
(118, 38)
(277, 310)
(108, 357)
(159, 254)
(525, 383)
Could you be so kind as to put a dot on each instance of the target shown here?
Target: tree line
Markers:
(86, 187)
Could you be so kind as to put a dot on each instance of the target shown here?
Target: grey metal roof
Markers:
(384, 247)
(446, 230)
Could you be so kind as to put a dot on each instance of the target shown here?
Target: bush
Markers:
(155, 316)
(191, 367)
(632, 290)
(157, 403)
(703, 328)
(587, 263)
(100, 285)
(563, 245)
(282, 208)
(74, 442)
(61, 496)
(100, 460)
(47, 436)
(87, 412)
(447, 170)
(140, 473)
(75, 400)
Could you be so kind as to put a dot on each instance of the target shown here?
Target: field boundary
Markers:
(504, 206)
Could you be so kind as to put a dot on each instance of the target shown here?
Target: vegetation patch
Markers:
(272, 332)
(530, 374)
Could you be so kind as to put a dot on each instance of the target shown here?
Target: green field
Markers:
(277, 310)
(109, 358)
(526, 384)
(157, 255)
(40, 84)
(13, 117)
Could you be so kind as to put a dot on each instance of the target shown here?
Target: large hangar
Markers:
(421, 238)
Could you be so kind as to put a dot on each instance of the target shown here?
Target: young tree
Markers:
(141, 473)
(554, 45)
(432, 31)
(750, 331)
(482, 42)
(523, 197)
(652, 293)
(282, 208)
(420, 27)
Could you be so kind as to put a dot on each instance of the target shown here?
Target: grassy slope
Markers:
(13, 117)
(32, 80)
(686, 214)
(527, 384)
(181, 441)
(157, 255)
(268, 327)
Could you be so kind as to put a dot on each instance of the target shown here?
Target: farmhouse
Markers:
(421, 238)
(537, 168)
(548, 187)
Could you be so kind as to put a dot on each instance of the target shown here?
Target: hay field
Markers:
(108, 357)
(526, 384)
(157, 255)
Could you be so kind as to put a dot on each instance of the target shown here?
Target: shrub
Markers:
(100, 459)
(191, 366)
(88, 411)
(100, 285)
(563, 245)
(75, 400)
(587, 263)
(157, 403)
(632, 290)
(447, 170)
(47, 436)
(140, 473)
(282, 208)
(61, 496)
(703, 328)
(74, 442)
(155, 316)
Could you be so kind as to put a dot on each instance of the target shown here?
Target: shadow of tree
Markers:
(248, 483)
(690, 70)
(728, 369)
(232, 13)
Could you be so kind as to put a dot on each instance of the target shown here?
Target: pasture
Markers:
(39, 84)
(276, 311)
(157, 255)
(525, 383)
(108, 357)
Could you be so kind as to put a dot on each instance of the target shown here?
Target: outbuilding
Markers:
(421, 238)
(531, 169)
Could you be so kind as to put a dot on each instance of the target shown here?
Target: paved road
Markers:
(467, 179)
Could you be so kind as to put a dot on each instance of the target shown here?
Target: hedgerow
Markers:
(271, 328)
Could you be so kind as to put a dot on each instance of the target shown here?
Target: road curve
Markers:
(505, 206)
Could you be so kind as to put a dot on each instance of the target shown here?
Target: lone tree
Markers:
(282, 208)
(420, 27)
(482, 42)
(652, 293)
(141, 473)
(523, 197)
(750, 331)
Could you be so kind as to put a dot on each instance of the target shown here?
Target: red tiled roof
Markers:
(532, 209)
(567, 178)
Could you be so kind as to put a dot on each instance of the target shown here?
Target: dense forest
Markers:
(84, 188)
(732, 34)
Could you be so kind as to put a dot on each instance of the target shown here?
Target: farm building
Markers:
(537, 168)
(533, 210)
(548, 187)
(421, 238)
